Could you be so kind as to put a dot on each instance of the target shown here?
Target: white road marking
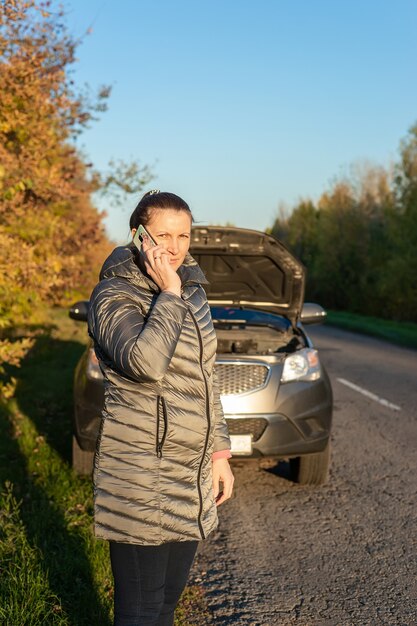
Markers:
(369, 394)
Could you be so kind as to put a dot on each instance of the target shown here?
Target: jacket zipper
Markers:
(200, 495)
(160, 443)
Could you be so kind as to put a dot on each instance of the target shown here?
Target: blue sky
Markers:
(239, 105)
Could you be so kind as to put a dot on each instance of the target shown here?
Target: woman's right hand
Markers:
(159, 268)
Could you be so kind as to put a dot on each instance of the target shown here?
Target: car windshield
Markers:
(248, 317)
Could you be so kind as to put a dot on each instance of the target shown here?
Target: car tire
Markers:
(311, 469)
(82, 460)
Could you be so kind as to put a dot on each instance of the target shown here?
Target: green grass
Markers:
(52, 569)
(400, 333)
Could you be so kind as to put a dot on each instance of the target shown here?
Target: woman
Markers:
(163, 448)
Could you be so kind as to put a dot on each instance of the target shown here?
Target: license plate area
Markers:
(241, 445)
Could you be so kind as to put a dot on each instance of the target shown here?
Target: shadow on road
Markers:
(281, 469)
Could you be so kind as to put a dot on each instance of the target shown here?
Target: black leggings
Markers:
(149, 580)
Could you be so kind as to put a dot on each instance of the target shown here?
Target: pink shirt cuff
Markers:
(221, 454)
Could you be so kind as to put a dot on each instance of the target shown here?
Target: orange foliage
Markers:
(51, 237)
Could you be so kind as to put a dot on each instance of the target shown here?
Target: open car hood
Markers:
(249, 268)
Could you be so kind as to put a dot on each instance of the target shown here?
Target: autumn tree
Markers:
(398, 285)
(299, 230)
(343, 240)
(52, 238)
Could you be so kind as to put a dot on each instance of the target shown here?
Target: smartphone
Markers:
(138, 237)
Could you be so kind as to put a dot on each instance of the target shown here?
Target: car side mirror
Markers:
(312, 313)
(79, 311)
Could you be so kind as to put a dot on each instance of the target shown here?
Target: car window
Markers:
(239, 315)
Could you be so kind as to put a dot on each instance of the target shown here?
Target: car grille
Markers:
(254, 426)
(235, 378)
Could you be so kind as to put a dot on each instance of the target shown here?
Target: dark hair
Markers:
(154, 200)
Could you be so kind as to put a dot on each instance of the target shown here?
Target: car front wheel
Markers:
(311, 469)
(82, 460)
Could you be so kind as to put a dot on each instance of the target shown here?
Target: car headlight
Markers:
(93, 367)
(302, 365)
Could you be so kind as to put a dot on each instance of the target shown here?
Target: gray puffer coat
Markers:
(162, 416)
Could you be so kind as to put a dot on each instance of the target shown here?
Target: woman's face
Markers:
(171, 229)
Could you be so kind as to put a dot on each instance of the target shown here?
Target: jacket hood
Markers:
(249, 268)
(125, 262)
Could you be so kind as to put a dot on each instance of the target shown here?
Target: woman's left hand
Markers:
(222, 474)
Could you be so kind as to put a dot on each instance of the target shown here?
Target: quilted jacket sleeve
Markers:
(140, 349)
(221, 433)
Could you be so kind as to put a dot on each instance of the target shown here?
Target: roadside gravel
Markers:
(340, 554)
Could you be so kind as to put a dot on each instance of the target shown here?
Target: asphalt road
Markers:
(340, 554)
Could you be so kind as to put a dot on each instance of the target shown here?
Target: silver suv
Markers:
(275, 392)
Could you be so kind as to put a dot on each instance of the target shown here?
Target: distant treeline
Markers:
(359, 241)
